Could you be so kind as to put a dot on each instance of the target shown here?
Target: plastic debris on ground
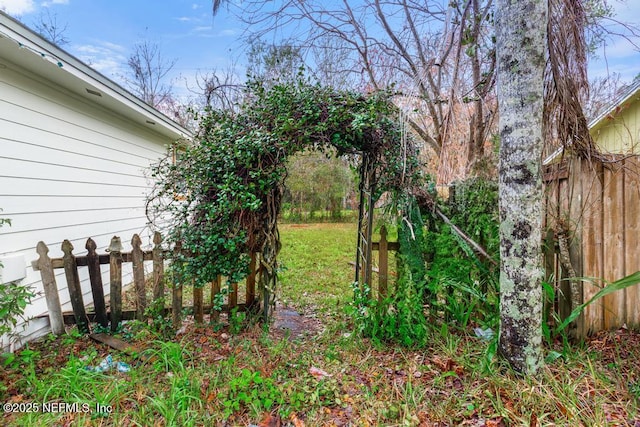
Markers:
(485, 334)
(108, 363)
(318, 373)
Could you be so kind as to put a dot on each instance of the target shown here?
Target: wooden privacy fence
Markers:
(115, 257)
(593, 218)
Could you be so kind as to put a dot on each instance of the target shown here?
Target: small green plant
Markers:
(169, 356)
(250, 390)
(160, 322)
(71, 337)
(236, 321)
(634, 389)
(25, 361)
(181, 403)
(399, 318)
(99, 329)
(14, 298)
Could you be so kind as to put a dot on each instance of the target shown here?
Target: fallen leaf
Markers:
(297, 422)
(270, 421)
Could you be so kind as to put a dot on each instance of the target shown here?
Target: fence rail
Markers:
(112, 314)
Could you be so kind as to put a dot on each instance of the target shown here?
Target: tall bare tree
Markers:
(48, 27)
(438, 55)
(148, 70)
(219, 89)
(521, 33)
(274, 62)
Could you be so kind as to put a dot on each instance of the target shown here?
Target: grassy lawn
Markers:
(209, 375)
(315, 259)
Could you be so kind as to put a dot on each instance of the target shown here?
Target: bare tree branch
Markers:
(148, 70)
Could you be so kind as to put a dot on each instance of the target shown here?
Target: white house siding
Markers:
(68, 170)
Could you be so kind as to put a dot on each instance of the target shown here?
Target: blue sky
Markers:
(618, 55)
(103, 32)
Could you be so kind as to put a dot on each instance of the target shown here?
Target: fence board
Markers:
(176, 297)
(251, 282)
(233, 295)
(613, 239)
(383, 264)
(73, 284)
(50, 289)
(592, 252)
(115, 281)
(575, 243)
(563, 289)
(198, 304)
(158, 266)
(97, 287)
(137, 259)
(554, 181)
(632, 234)
(215, 290)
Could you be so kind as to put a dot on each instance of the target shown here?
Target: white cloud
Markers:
(108, 58)
(52, 2)
(619, 48)
(17, 7)
(228, 33)
(202, 28)
(208, 32)
(624, 11)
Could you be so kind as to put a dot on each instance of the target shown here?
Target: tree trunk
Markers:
(521, 31)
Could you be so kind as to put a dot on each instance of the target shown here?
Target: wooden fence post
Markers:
(137, 259)
(50, 289)
(251, 283)
(215, 290)
(73, 284)
(233, 296)
(115, 278)
(176, 300)
(198, 304)
(383, 264)
(97, 288)
(158, 267)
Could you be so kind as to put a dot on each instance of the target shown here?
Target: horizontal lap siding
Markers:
(68, 170)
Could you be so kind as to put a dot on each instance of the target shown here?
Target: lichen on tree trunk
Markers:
(521, 49)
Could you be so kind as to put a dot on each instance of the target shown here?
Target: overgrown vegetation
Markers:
(223, 194)
(441, 279)
(212, 377)
(465, 283)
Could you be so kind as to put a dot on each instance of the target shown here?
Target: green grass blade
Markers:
(620, 284)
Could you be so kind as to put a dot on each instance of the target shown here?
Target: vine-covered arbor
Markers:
(221, 196)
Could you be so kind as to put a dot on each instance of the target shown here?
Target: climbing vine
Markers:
(220, 197)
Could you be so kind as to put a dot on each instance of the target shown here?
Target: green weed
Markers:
(250, 390)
